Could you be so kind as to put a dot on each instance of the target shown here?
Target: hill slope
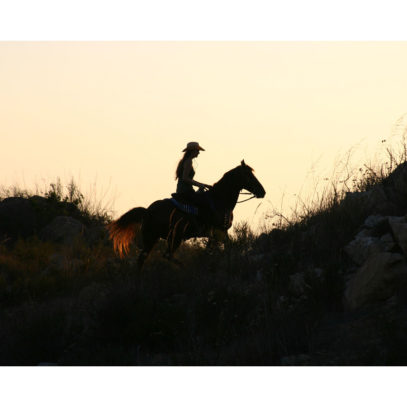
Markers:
(326, 289)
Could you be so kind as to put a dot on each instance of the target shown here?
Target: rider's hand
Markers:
(204, 187)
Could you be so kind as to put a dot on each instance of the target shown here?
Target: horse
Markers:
(163, 219)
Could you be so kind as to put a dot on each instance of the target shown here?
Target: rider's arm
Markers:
(186, 178)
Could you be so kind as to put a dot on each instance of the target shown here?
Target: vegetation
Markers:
(259, 300)
(63, 197)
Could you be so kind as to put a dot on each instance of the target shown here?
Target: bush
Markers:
(262, 300)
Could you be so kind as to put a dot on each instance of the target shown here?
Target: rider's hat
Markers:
(193, 145)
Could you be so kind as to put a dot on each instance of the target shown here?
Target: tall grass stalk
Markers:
(347, 176)
(93, 205)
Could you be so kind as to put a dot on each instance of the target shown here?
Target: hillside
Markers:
(327, 288)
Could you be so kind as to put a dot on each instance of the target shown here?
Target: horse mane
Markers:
(229, 174)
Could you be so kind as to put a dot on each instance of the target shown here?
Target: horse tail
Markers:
(123, 231)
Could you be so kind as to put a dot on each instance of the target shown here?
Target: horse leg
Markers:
(148, 243)
(215, 239)
(174, 239)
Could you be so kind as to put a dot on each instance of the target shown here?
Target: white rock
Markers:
(375, 280)
(399, 228)
(363, 246)
(374, 220)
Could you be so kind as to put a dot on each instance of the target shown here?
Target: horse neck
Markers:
(226, 191)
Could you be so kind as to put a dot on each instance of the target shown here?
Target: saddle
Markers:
(202, 209)
(180, 197)
(184, 206)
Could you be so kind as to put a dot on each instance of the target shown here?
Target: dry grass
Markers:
(234, 304)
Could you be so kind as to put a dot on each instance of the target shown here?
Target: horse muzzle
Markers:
(260, 193)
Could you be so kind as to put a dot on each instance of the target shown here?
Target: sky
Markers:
(115, 116)
(374, 102)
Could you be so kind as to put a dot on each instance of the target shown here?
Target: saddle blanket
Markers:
(187, 208)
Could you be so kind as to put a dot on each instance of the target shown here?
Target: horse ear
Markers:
(243, 163)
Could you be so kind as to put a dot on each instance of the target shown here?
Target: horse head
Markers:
(250, 182)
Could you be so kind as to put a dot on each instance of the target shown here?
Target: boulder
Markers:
(376, 199)
(363, 246)
(376, 280)
(63, 229)
(24, 217)
(297, 284)
(17, 218)
(388, 242)
(399, 228)
(373, 221)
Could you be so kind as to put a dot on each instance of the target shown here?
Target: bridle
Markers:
(248, 199)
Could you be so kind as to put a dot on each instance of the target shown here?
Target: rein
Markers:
(248, 199)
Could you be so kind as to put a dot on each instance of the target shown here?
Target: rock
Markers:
(63, 229)
(363, 246)
(388, 242)
(17, 218)
(297, 285)
(375, 280)
(376, 199)
(373, 221)
(399, 228)
(24, 217)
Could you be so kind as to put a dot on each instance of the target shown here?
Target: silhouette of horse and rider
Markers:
(188, 213)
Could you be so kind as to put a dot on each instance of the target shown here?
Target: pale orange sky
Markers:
(119, 113)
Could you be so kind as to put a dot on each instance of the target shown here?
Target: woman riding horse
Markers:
(185, 171)
(163, 220)
(185, 192)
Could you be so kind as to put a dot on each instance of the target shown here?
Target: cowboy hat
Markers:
(193, 145)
